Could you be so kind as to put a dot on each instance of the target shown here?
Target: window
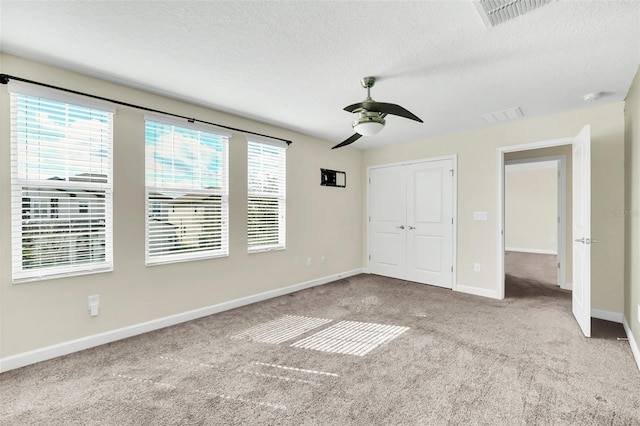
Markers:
(267, 188)
(61, 159)
(187, 198)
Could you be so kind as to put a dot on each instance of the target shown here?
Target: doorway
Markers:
(535, 216)
(580, 217)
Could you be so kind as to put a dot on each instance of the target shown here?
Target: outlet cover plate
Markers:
(95, 299)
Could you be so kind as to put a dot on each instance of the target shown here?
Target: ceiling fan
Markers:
(371, 114)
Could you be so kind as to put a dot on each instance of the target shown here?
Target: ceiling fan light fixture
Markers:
(368, 124)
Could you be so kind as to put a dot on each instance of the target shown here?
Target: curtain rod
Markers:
(4, 79)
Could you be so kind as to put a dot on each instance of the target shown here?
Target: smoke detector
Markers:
(592, 97)
(494, 12)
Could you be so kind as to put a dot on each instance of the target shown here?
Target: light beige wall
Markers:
(321, 221)
(478, 190)
(531, 209)
(632, 208)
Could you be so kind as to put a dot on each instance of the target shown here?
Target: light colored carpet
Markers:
(462, 359)
(532, 266)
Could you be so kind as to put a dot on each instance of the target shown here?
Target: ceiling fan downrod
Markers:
(368, 83)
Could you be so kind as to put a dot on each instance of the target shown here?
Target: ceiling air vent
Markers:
(504, 115)
(494, 12)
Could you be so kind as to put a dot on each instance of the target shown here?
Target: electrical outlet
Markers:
(308, 261)
(94, 305)
(476, 267)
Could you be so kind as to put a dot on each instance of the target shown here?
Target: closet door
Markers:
(430, 223)
(387, 221)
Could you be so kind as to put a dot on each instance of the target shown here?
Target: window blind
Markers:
(186, 191)
(266, 205)
(61, 185)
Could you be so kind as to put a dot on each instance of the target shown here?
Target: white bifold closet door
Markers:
(411, 222)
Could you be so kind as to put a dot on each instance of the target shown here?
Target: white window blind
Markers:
(267, 188)
(187, 197)
(61, 184)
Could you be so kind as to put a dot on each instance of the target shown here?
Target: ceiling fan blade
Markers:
(352, 108)
(348, 141)
(383, 107)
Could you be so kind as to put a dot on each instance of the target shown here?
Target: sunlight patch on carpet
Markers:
(281, 329)
(273, 376)
(351, 337)
(301, 370)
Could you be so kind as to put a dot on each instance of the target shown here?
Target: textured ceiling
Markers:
(297, 64)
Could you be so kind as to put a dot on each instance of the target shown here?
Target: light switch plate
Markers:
(479, 215)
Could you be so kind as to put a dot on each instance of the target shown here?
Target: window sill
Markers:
(180, 260)
(264, 250)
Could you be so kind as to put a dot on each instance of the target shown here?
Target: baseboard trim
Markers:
(607, 315)
(527, 250)
(476, 291)
(38, 355)
(632, 341)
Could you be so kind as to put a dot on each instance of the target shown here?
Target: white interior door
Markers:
(430, 223)
(581, 303)
(387, 217)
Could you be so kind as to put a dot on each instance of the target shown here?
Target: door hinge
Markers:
(369, 218)
(452, 221)
(369, 180)
(451, 170)
(451, 268)
(369, 257)
(558, 265)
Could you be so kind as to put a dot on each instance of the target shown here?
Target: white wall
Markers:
(321, 221)
(531, 208)
(478, 191)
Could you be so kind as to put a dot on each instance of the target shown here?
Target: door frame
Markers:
(454, 235)
(561, 232)
(500, 222)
